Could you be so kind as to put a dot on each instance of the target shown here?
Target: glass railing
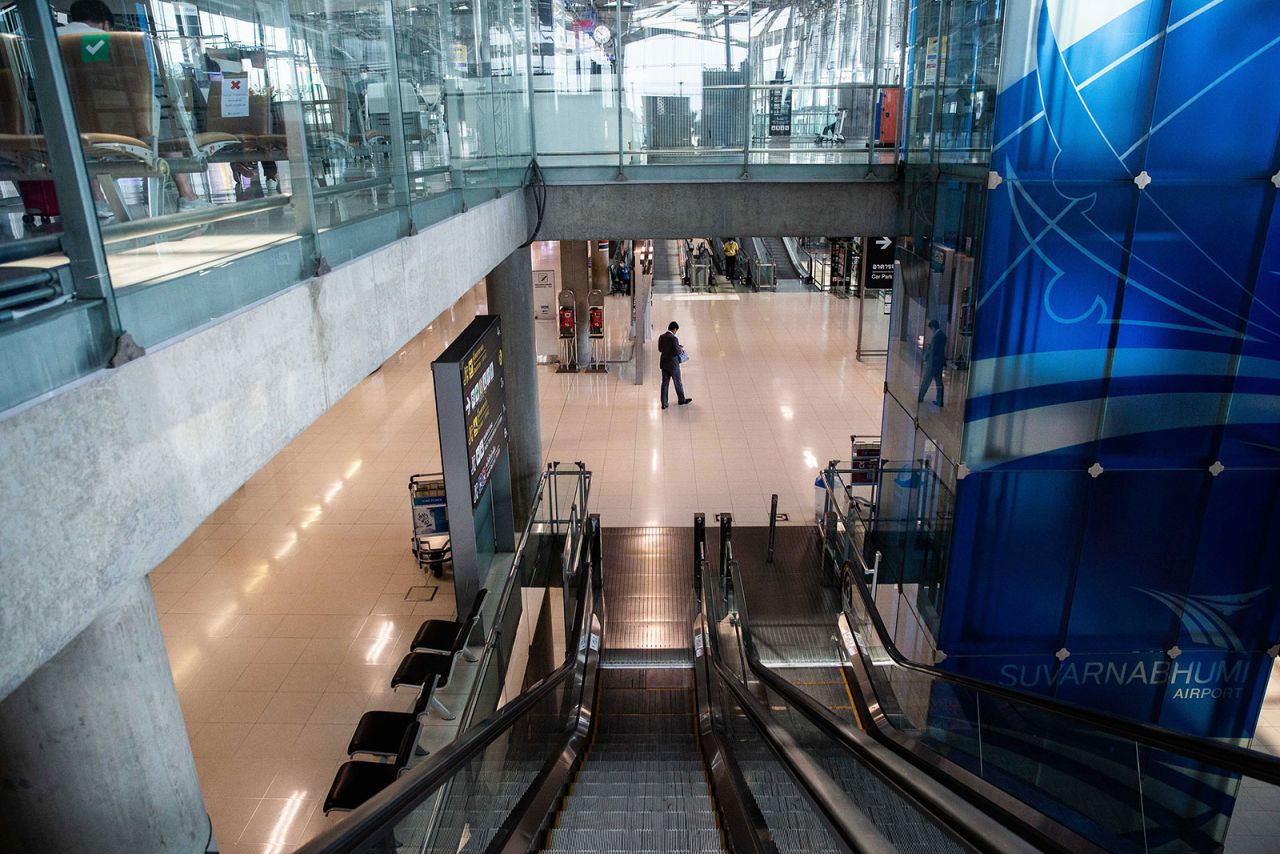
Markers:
(903, 804)
(1121, 785)
(187, 159)
(462, 796)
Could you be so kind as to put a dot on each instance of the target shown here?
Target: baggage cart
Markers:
(431, 542)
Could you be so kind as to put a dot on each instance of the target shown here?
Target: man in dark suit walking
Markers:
(669, 351)
(935, 359)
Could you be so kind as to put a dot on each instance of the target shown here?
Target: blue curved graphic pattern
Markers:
(1078, 258)
(1122, 422)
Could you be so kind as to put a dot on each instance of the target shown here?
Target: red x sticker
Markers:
(235, 84)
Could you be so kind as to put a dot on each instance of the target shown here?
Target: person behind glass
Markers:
(669, 351)
(93, 16)
(935, 358)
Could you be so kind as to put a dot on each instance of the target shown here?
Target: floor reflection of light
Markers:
(288, 546)
(312, 515)
(288, 815)
(352, 469)
(809, 459)
(221, 620)
(184, 665)
(262, 570)
(653, 460)
(380, 643)
(787, 412)
(333, 490)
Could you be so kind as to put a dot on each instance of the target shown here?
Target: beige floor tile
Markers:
(308, 677)
(263, 676)
(290, 707)
(279, 821)
(270, 740)
(339, 707)
(243, 707)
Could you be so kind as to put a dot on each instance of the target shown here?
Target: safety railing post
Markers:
(699, 551)
(597, 564)
(726, 538)
(773, 525)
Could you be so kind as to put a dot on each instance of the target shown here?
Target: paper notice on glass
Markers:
(235, 96)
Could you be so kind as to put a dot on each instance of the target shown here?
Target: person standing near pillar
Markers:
(670, 355)
(935, 359)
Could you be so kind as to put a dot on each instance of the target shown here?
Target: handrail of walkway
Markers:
(1227, 757)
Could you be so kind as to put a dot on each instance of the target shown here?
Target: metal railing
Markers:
(482, 720)
(960, 819)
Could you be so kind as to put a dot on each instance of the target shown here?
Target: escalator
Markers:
(642, 785)
(775, 251)
(667, 276)
(664, 730)
(1061, 776)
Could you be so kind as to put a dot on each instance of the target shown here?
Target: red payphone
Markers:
(568, 323)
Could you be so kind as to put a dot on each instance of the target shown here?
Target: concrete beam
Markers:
(101, 481)
(744, 208)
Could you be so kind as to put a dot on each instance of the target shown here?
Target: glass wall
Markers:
(953, 62)
(228, 150)
(1097, 262)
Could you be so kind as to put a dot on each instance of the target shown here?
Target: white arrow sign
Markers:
(884, 242)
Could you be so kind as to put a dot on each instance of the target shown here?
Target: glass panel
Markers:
(181, 112)
(684, 81)
(421, 30)
(345, 76)
(470, 807)
(1103, 787)
(28, 205)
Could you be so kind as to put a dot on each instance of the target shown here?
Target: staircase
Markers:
(642, 785)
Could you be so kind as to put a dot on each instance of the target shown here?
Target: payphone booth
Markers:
(567, 321)
(595, 331)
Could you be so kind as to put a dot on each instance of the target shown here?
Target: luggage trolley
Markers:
(431, 544)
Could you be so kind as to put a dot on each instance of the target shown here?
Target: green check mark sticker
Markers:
(95, 48)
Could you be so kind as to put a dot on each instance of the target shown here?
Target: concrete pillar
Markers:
(510, 291)
(573, 269)
(599, 266)
(94, 753)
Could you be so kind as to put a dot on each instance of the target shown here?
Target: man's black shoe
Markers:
(664, 406)
(686, 400)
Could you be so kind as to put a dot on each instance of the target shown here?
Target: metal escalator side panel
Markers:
(529, 818)
(741, 818)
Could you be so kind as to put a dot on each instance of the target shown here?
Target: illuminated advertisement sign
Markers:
(471, 389)
(484, 408)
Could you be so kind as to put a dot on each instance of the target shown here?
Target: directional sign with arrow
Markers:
(878, 261)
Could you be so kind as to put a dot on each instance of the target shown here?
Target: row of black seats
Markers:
(431, 660)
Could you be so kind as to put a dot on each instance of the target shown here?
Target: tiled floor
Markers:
(285, 613)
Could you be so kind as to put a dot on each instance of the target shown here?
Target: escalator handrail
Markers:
(421, 780)
(842, 815)
(1227, 757)
(975, 829)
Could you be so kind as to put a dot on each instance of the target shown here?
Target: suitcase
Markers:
(39, 200)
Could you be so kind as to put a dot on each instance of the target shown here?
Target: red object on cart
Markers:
(39, 198)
